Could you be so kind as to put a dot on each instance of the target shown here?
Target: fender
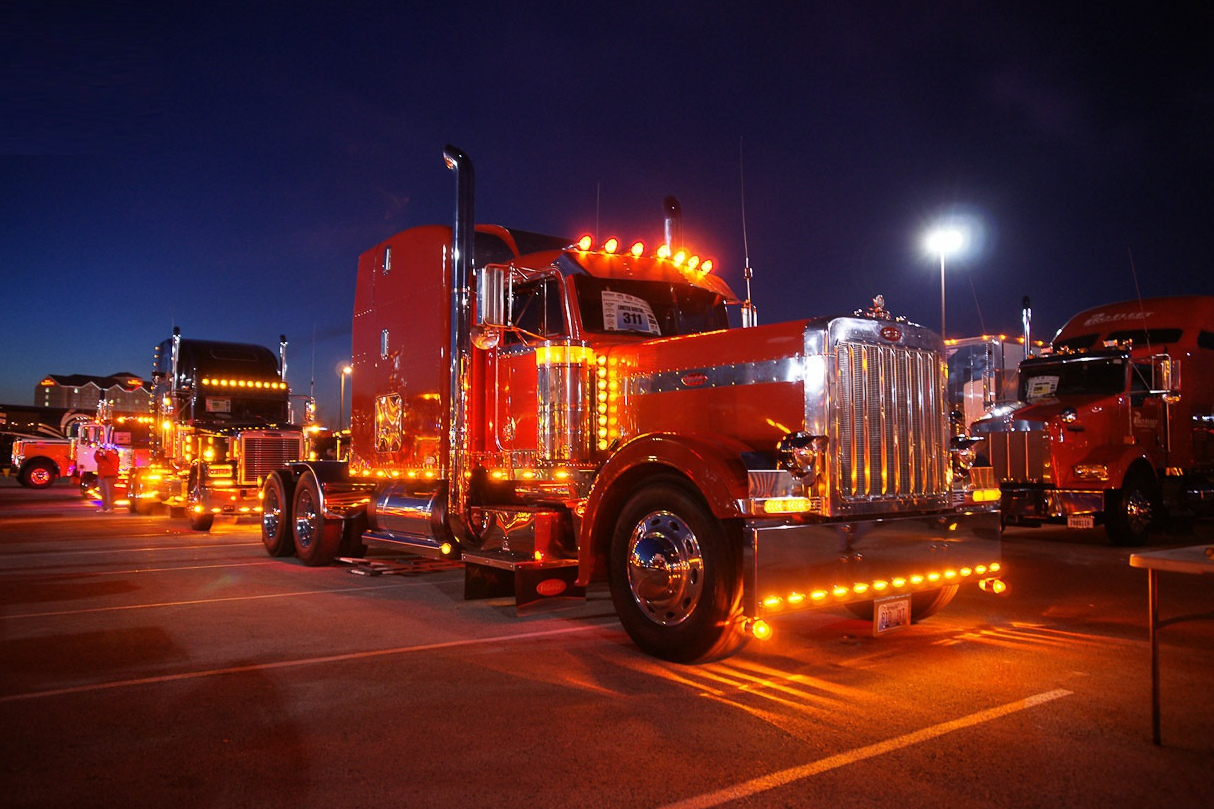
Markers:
(712, 464)
(1118, 459)
(340, 495)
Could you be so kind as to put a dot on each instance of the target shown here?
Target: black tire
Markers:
(675, 577)
(317, 540)
(277, 495)
(924, 604)
(87, 480)
(1131, 511)
(199, 520)
(38, 475)
(137, 502)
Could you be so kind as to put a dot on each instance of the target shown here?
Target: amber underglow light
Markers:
(759, 629)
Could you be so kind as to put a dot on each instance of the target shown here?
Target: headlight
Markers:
(800, 452)
(1093, 471)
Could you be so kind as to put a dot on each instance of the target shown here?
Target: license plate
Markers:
(1080, 521)
(891, 614)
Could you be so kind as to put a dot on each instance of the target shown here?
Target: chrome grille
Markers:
(1020, 456)
(891, 424)
(261, 454)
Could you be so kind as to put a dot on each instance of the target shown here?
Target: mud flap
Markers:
(528, 584)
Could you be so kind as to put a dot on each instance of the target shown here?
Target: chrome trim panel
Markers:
(786, 369)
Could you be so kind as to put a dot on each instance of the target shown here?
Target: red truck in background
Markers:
(553, 413)
(1107, 430)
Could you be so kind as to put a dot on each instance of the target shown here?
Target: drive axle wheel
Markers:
(317, 540)
(276, 497)
(675, 577)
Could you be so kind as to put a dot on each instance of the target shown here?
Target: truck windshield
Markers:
(655, 308)
(1099, 376)
(240, 411)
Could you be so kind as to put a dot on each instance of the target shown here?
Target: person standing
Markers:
(107, 474)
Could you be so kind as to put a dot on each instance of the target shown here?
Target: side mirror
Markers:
(1166, 373)
(493, 292)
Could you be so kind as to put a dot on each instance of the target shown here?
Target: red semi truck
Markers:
(554, 413)
(1107, 430)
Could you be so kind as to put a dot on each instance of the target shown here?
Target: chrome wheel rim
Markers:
(665, 568)
(306, 519)
(1138, 511)
(271, 514)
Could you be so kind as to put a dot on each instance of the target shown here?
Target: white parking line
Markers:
(785, 777)
(307, 661)
(206, 601)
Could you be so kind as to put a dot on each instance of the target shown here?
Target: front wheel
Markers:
(200, 519)
(38, 475)
(317, 540)
(1130, 510)
(675, 577)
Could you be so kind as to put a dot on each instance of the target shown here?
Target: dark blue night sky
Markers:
(219, 166)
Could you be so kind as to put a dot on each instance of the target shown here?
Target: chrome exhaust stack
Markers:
(462, 245)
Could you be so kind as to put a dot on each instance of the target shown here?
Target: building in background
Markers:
(125, 392)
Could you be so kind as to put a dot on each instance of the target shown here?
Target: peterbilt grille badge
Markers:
(891, 333)
(693, 380)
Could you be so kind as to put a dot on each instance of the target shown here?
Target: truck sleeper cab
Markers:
(599, 421)
(222, 412)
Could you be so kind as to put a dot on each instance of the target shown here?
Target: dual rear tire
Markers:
(293, 522)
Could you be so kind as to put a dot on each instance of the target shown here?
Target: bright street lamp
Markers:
(345, 371)
(944, 241)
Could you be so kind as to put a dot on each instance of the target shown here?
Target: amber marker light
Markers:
(585, 243)
(706, 266)
(611, 245)
(758, 629)
(638, 250)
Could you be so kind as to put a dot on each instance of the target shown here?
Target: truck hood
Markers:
(1022, 416)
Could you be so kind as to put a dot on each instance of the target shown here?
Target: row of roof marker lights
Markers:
(679, 257)
(244, 383)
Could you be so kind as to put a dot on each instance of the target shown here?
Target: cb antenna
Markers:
(750, 315)
(1146, 333)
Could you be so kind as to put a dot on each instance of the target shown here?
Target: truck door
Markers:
(537, 315)
(1148, 419)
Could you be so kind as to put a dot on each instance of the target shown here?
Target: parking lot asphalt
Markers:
(143, 664)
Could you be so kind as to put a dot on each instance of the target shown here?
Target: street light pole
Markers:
(943, 241)
(341, 399)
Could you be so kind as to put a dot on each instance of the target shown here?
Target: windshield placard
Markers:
(623, 312)
(1041, 387)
